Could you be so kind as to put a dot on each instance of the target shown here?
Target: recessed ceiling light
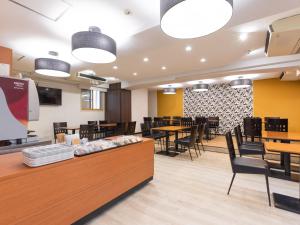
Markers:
(115, 67)
(243, 36)
(163, 68)
(134, 74)
(203, 60)
(146, 59)
(188, 48)
(194, 18)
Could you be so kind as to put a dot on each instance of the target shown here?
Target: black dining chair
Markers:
(253, 128)
(246, 165)
(176, 120)
(59, 128)
(187, 143)
(120, 129)
(156, 135)
(131, 128)
(248, 148)
(87, 131)
(201, 133)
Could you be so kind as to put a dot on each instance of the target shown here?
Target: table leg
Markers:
(176, 138)
(167, 141)
(167, 152)
(287, 163)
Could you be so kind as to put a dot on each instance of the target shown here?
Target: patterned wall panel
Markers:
(230, 105)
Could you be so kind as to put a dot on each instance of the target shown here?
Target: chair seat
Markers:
(251, 149)
(254, 143)
(248, 165)
(158, 136)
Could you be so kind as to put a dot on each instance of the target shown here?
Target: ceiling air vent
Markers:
(283, 37)
(52, 10)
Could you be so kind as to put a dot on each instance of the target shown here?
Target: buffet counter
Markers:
(64, 192)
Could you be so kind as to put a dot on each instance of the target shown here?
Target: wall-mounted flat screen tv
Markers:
(49, 96)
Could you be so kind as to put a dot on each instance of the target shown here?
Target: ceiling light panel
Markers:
(52, 10)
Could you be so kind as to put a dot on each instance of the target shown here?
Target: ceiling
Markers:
(138, 35)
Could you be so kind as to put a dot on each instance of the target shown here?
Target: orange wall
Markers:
(6, 56)
(170, 105)
(273, 97)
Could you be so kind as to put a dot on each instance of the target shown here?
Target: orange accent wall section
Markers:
(273, 97)
(6, 56)
(170, 105)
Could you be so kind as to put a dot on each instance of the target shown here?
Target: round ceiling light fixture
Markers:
(94, 47)
(194, 18)
(52, 67)
(241, 83)
(200, 87)
(169, 91)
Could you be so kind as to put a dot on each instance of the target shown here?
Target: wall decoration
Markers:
(230, 105)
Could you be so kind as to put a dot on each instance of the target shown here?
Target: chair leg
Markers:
(198, 147)
(196, 150)
(268, 188)
(202, 146)
(263, 156)
(190, 153)
(231, 183)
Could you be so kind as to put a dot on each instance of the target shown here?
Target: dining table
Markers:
(283, 137)
(281, 201)
(170, 129)
(107, 125)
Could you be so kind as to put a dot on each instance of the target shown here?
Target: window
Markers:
(92, 99)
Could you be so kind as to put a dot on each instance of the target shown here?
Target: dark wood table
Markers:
(283, 201)
(108, 125)
(168, 129)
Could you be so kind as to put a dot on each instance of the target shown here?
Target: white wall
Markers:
(70, 111)
(152, 103)
(139, 106)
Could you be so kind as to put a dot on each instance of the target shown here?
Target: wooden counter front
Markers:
(64, 192)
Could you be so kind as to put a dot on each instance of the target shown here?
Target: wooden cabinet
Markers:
(118, 104)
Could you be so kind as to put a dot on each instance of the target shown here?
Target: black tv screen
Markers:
(49, 96)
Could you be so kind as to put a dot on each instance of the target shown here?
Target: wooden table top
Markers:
(108, 125)
(289, 136)
(282, 147)
(170, 128)
(70, 128)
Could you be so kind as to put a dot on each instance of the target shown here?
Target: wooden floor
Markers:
(187, 193)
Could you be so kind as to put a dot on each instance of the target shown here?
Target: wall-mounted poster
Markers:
(13, 108)
(4, 69)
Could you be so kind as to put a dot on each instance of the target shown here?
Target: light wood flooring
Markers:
(187, 193)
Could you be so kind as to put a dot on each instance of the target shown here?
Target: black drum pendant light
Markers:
(241, 83)
(93, 46)
(194, 18)
(52, 67)
(169, 90)
(200, 87)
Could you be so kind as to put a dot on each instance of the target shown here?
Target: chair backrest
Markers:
(131, 128)
(120, 129)
(167, 117)
(145, 130)
(238, 136)
(276, 124)
(194, 134)
(253, 127)
(59, 128)
(93, 122)
(201, 131)
(102, 122)
(213, 121)
(176, 120)
(230, 147)
(147, 119)
(87, 131)
(200, 120)
(187, 121)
